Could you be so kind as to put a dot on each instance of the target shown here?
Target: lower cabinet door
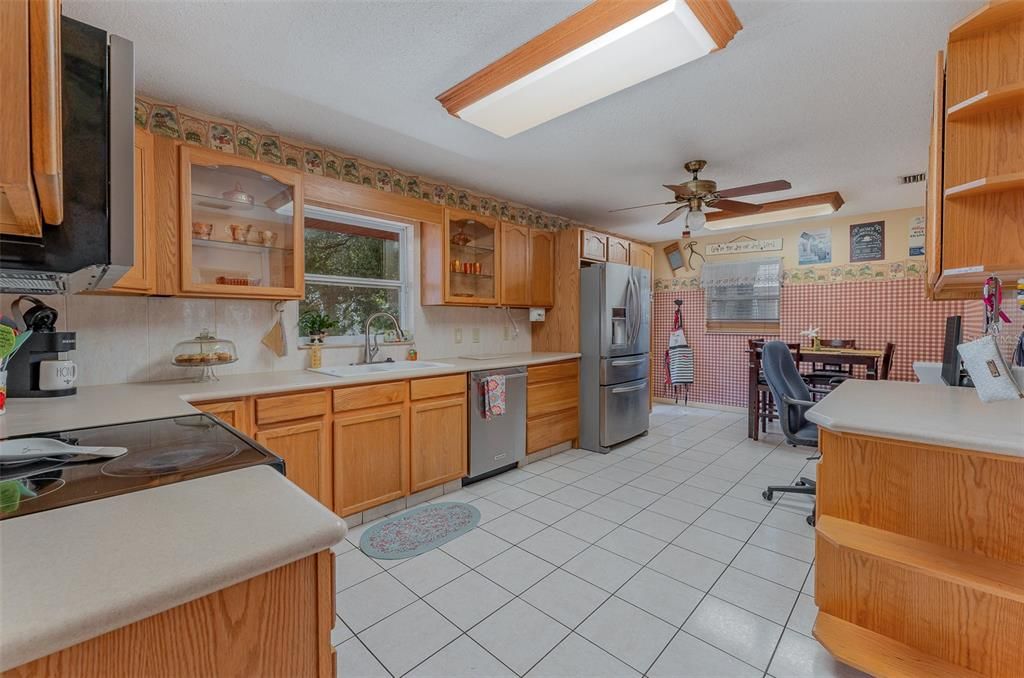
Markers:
(438, 441)
(231, 412)
(305, 449)
(371, 452)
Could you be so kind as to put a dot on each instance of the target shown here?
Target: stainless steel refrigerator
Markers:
(615, 331)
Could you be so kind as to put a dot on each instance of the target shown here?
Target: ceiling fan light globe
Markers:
(695, 220)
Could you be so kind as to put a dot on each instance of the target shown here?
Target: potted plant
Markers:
(314, 324)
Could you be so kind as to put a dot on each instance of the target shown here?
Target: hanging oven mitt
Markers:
(992, 378)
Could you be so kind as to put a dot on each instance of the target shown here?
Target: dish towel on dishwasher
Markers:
(492, 392)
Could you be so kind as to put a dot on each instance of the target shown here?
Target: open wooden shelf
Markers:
(986, 185)
(879, 655)
(989, 100)
(995, 577)
(992, 15)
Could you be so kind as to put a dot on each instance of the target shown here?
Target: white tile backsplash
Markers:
(129, 339)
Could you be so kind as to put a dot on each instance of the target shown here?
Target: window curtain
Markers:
(742, 296)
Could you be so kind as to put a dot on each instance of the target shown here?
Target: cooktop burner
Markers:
(160, 452)
(158, 461)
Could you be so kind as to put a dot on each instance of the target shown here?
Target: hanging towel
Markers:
(679, 365)
(492, 392)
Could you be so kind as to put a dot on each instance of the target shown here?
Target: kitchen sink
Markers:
(375, 368)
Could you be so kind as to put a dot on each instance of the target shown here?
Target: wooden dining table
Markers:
(822, 355)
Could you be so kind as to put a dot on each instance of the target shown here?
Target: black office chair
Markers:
(793, 399)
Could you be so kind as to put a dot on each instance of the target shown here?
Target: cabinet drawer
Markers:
(566, 370)
(552, 396)
(452, 384)
(290, 406)
(361, 397)
(551, 429)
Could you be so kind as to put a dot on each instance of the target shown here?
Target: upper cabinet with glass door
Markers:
(461, 260)
(241, 227)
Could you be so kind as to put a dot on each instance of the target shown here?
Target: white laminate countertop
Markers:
(121, 403)
(73, 573)
(924, 413)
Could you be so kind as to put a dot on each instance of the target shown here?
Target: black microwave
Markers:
(94, 245)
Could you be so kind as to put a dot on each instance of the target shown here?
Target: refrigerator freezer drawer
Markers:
(623, 369)
(624, 411)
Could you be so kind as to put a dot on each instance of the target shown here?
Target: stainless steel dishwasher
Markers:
(498, 443)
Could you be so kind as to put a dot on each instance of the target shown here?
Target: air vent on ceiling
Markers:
(912, 178)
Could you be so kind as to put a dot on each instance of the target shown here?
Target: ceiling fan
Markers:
(694, 195)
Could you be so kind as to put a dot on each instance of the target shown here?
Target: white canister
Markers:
(57, 375)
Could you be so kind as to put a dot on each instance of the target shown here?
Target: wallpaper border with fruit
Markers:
(200, 129)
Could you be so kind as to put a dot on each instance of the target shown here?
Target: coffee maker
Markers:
(37, 370)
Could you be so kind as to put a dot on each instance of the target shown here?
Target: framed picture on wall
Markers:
(867, 241)
(675, 256)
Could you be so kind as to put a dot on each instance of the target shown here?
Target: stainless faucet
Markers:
(370, 352)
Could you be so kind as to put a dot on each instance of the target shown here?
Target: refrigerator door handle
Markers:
(627, 389)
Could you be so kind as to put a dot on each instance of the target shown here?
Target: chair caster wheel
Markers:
(810, 520)
(767, 494)
(800, 483)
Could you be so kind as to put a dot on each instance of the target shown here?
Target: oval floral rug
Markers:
(419, 530)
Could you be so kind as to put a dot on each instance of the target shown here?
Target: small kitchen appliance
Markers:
(159, 452)
(41, 369)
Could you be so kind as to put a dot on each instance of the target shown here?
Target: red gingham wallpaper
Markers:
(869, 312)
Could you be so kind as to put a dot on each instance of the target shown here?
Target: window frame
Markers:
(769, 326)
(404, 283)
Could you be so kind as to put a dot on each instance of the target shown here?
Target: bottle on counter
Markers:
(316, 356)
(412, 354)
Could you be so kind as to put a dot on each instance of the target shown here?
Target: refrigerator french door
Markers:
(615, 317)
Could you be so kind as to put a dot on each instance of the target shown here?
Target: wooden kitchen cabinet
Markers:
(515, 265)
(618, 250)
(975, 208)
(231, 412)
(593, 246)
(527, 266)
(641, 256)
(141, 277)
(542, 268)
(275, 624)
(437, 441)
(552, 404)
(371, 457)
(460, 260)
(305, 448)
(240, 227)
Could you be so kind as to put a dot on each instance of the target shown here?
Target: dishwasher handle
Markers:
(478, 376)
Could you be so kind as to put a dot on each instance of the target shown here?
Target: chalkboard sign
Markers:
(867, 241)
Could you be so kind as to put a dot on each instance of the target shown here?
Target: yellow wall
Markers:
(897, 240)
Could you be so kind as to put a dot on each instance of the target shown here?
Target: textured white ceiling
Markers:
(830, 95)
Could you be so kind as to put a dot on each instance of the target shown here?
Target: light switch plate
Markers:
(476, 335)
(458, 335)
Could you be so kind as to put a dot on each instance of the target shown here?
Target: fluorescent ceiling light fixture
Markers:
(780, 210)
(607, 47)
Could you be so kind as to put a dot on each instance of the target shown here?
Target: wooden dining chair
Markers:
(885, 366)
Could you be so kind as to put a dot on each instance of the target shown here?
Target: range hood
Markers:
(94, 245)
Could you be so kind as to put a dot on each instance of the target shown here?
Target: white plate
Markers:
(25, 449)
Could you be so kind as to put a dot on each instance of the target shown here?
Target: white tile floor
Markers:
(659, 559)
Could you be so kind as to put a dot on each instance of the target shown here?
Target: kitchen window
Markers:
(355, 266)
(743, 296)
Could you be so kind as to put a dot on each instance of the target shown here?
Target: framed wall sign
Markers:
(744, 246)
(867, 241)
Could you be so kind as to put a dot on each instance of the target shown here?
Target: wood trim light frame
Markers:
(604, 48)
(817, 205)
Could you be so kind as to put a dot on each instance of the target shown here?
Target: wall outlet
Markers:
(476, 335)
(458, 335)
(508, 333)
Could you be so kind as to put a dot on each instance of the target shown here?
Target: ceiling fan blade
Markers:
(736, 206)
(756, 189)
(673, 214)
(679, 189)
(636, 207)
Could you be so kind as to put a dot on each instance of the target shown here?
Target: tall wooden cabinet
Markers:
(542, 268)
(527, 272)
(31, 153)
(976, 220)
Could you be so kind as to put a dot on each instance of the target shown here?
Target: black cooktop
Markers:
(160, 452)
